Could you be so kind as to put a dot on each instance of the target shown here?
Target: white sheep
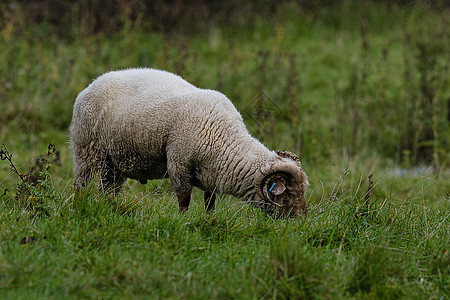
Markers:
(151, 124)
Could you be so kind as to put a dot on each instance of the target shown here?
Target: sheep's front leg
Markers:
(184, 198)
(180, 176)
(210, 200)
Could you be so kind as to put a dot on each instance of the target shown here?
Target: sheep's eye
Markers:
(290, 195)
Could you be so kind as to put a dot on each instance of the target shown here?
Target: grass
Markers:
(350, 95)
(89, 246)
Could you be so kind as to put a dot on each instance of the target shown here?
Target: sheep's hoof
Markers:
(143, 181)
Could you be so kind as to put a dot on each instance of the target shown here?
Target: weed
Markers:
(34, 190)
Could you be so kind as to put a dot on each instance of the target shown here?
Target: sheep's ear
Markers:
(277, 187)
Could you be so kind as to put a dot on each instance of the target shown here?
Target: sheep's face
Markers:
(285, 195)
(282, 187)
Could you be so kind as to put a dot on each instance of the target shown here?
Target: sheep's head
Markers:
(282, 185)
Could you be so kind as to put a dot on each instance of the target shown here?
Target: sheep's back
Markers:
(135, 113)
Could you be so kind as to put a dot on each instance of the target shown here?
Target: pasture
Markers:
(359, 90)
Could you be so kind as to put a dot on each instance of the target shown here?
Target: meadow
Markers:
(359, 90)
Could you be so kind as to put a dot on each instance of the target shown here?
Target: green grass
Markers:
(346, 87)
(137, 245)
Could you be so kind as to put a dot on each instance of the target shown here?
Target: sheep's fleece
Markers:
(151, 124)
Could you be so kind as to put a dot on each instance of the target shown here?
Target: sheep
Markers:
(148, 124)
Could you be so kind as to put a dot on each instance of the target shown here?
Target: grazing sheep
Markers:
(151, 124)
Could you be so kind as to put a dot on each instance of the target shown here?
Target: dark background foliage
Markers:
(166, 15)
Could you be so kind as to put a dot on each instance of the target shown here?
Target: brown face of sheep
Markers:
(283, 187)
(284, 195)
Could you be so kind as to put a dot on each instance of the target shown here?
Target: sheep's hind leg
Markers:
(84, 167)
(210, 201)
(81, 176)
(111, 178)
